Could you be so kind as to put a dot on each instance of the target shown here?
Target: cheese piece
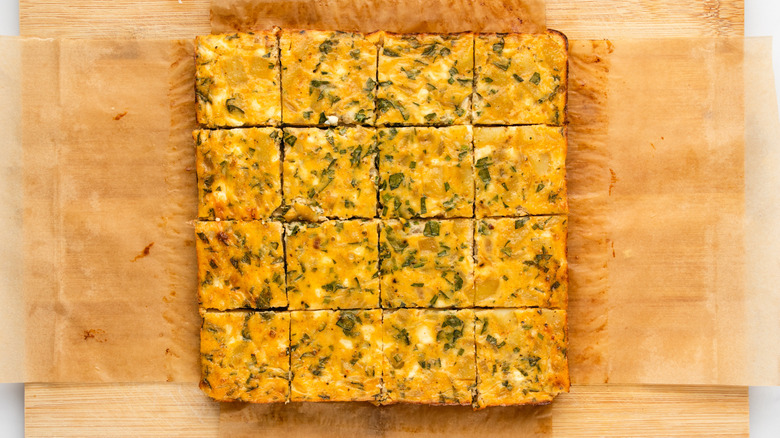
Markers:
(240, 264)
(521, 356)
(429, 356)
(520, 79)
(333, 265)
(237, 80)
(426, 172)
(427, 263)
(328, 77)
(330, 172)
(336, 355)
(239, 173)
(521, 262)
(521, 170)
(244, 356)
(425, 79)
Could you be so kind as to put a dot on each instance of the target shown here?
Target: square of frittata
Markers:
(333, 265)
(237, 80)
(521, 262)
(425, 79)
(520, 79)
(239, 173)
(240, 265)
(426, 172)
(328, 77)
(521, 170)
(429, 356)
(244, 356)
(427, 263)
(521, 356)
(336, 355)
(330, 172)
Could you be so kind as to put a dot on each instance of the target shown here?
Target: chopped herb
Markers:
(384, 105)
(484, 175)
(483, 162)
(423, 207)
(290, 139)
(347, 322)
(356, 156)
(498, 47)
(390, 53)
(411, 74)
(361, 116)
(430, 50)
(327, 46)
(457, 283)
(517, 77)
(232, 106)
(494, 342)
(520, 223)
(370, 85)
(502, 66)
(333, 286)
(402, 335)
(396, 180)
(535, 78)
(431, 229)
(507, 251)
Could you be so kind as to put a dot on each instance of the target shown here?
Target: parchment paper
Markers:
(409, 16)
(107, 178)
(657, 172)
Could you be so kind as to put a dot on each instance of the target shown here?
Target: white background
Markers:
(762, 18)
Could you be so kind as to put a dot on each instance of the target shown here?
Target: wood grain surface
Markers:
(179, 410)
(580, 19)
(170, 409)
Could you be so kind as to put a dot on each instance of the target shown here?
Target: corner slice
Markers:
(333, 265)
(329, 173)
(521, 356)
(244, 356)
(336, 355)
(520, 79)
(521, 262)
(239, 173)
(426, 172)
(425, 79)
(429, 356)
(240, 264)
(521, 170)
(427, 263)
(237, 80)
(328, 78)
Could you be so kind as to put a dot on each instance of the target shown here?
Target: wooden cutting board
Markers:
(170, 409)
